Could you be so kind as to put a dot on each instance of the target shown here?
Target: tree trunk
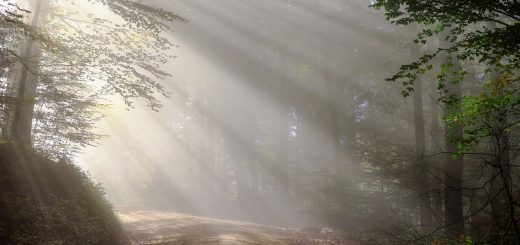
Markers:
(435, 148)
(282, 152)
(283, 148)
(420, 168)
(243, 191)
(210, 152)
(453, 215)
(503, 203)
(453, 209)
(26, 86)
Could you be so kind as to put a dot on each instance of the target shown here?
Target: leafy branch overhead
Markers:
(478, 34)
(487, 32)
(86, 56)
(125, 55)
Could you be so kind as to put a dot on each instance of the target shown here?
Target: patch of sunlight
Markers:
(130, 217)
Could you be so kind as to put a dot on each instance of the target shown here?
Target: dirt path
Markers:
(150, 227)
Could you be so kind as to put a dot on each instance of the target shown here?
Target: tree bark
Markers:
(26, 86)
(420, 171)
(420, 168)
(434, 148)
(283, 148)
(453, 170)
(453, 215)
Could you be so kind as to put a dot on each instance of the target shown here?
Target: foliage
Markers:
(483, 32)
(473, 34)
(100, 56)
(52, 202)
(464, 24)
(488, 116)
(85, 58)
(12, 24)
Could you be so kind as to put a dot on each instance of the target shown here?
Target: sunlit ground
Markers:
(175, 228)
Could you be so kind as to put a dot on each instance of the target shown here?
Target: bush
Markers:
(48, 202)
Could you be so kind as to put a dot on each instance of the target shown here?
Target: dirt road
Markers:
(151, 227)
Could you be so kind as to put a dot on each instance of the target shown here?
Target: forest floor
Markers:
(152, 227)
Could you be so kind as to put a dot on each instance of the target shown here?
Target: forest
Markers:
(259, 122)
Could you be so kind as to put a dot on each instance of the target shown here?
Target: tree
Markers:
(24, 84)
(49, 70)
(14, 30)
(453, 163)
(420, 150)
(487, 33)
(90, 57)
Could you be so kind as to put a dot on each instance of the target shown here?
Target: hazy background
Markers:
(278, 114)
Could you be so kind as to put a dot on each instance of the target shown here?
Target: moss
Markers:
(48, 202)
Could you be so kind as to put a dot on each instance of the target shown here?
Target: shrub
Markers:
(48, 202)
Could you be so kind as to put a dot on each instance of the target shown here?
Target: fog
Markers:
(270, 102)
(259, 122)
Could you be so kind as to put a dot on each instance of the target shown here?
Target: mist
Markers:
(269, 102)
(259, 122)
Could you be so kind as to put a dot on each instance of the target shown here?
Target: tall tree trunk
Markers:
(332, 81)
(503, 203)
(243, 191)
(420, 171)
(210, 152)
(453, 209)
(420, 168)
(497, 207)
(239, 158)
(331, 71)
(279, 72)
(283, 148)
(336, 147)
(202, 137)
(21, 123)
(453, 215)
(435, 148)
(253, 175)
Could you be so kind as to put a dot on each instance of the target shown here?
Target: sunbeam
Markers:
(259, 122)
